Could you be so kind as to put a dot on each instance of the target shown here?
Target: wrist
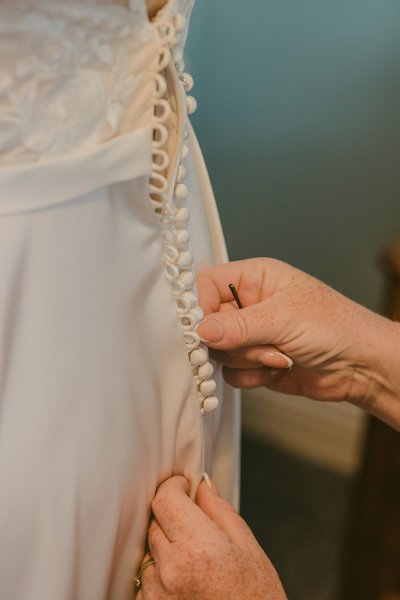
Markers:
(376, 381)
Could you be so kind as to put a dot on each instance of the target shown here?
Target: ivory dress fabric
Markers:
(105, 390)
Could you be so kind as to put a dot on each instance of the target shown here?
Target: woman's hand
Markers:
(340, 350)
(204, 551)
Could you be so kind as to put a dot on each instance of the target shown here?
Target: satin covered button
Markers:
(207, 387)
(182, 237)
(180, 22)
(191, 104)
(182, 173)
(209, 404)
(198, 356)
(181, 215)
(185, 152)
(206, 370)
(187, 81)
(185, 259)
(190, 296)
(197, 313)
(181, 191)
(186, 278)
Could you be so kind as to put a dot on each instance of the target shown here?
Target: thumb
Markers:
(237, 328)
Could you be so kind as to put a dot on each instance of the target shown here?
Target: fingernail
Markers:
(207, 479)
(210, 483)
(276, 360)
(210, 330)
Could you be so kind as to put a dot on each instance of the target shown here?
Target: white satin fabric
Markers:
(98, 404)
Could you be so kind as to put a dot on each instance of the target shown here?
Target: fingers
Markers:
(149, 580)
(158, 542)
(268, 292)
(152, 588)
(255, 279)
(213, 285)
(249, 379)
(252, 357)
(176, 514)
(223, 514)
(227, 330)
(209, 296)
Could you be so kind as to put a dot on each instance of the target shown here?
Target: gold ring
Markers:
(138, 579)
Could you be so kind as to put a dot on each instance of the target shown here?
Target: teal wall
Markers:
(299, 120)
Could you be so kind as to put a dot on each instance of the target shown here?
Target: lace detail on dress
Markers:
(73, 74)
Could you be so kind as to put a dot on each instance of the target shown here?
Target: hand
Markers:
(340, 350)
(204, 551)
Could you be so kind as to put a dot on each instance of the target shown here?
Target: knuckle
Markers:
(159, 499)
(174, 574)
(251, 378)
(171, 578)
(242, 329)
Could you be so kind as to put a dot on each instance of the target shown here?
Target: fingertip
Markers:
(275, 359)
(180, 481)
(177, 484)
(207, 479)
(174, 482)
(248, 379)
(210, 483)
(210, 330)
(205, 496)
(207, 492)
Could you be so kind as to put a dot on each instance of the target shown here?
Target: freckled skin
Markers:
(341, 350)
(204, 551)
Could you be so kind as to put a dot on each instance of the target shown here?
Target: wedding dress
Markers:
(105, 203)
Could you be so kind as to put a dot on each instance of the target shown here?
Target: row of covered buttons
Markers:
(198, 354)
(189, 311)
(186, 78)
(179, 260)
(205, 384)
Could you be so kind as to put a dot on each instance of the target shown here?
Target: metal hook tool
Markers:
(235, 295)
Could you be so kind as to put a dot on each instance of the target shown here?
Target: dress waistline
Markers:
(39, 185)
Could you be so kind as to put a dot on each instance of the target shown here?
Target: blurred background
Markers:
(299, 121)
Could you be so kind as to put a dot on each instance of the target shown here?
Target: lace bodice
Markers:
(73, 73)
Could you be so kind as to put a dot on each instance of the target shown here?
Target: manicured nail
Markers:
(210, 483)
(276, 360)
(210, 330)
(207, 479)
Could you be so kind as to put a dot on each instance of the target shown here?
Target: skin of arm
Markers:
(339, 349)
(204, 550)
